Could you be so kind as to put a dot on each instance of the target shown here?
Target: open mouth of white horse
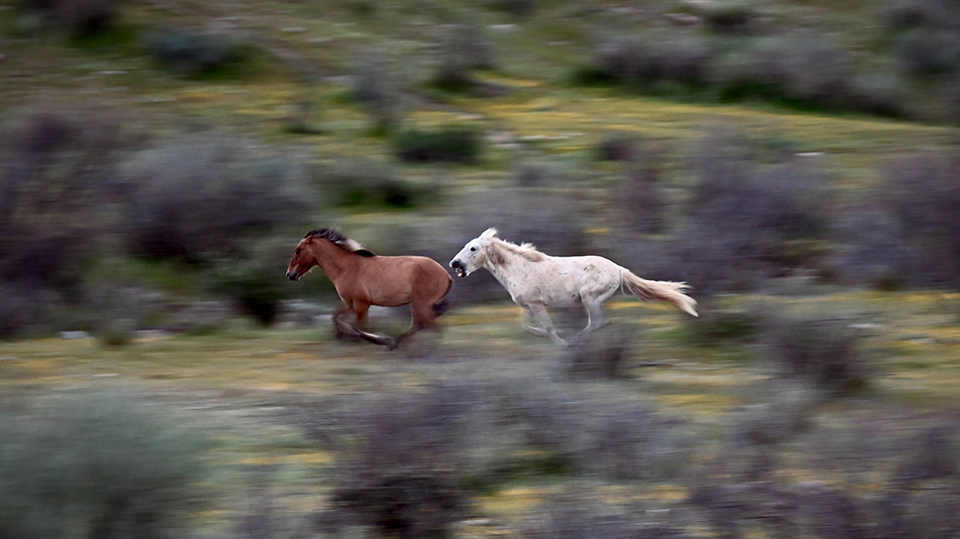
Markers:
(459, 268)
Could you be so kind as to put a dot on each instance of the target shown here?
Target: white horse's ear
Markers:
(489, 233)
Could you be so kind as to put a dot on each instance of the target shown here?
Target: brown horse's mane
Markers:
(341, 241)
(526, 250)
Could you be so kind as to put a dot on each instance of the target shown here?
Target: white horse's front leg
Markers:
(540, 312)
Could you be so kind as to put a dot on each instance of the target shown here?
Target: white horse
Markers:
(536, 281)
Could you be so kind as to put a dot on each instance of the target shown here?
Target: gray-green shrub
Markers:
(378, 89)
(83, 19)
(456, 143)
(55, 180)
(211, 197)
(369, 183)
(195, 53)
(748, 222)
(98, 463)
(827, 353)
(404, 474)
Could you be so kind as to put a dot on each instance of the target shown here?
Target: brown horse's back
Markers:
(392, 281)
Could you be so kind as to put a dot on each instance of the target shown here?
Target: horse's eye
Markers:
(473, 248)
(298, 251)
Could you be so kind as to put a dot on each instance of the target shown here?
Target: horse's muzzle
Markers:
(457, 265)
(293, 276)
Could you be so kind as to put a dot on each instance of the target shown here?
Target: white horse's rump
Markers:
(536, 281)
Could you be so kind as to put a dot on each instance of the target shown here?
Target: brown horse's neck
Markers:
(334, 261)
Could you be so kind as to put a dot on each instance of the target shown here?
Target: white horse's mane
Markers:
(526, 250)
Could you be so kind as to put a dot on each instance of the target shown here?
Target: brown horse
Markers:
(363, 279)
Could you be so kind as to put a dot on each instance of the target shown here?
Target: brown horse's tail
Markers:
(660, 290)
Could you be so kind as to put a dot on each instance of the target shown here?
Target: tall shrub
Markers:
(98, 463)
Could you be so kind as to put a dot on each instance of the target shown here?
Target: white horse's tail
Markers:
(660, 290)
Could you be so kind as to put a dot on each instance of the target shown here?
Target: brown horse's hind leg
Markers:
(423, 316)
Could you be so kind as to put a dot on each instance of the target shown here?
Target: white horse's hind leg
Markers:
(540, 312)
(596, 315)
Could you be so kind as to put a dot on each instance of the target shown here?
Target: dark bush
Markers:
(718, 326)
(749, 222)
(368, 183)
(256, 286)
(536, 174)
(462, 50)
(570, 432)
(906, 15)
(379, 91)
(518, 8)
(113, 311)
(907, 236)
(210, 198)
(83, 19)
(827, 353)
(98, 464)
(194, 53)
(602, 354)
(801, 69)
(869, 251)
(403, 476)
(923, 195)
(55, 192)
(633, 443)
(648, 65)
(911, 473)
(452, 143)
(642, 201)
(925, 53)
(728, 17)
(618, 147)
(24, 308)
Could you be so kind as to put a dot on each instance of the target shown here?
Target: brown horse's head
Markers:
(303, 259)
(307, 256)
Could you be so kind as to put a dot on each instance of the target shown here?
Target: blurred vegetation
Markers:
(795, 161)
(455, 144)
(195, 54)
(99, 463)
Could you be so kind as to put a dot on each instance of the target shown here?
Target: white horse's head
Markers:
(473, 256)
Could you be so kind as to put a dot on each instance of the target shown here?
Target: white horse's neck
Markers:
(507, 266)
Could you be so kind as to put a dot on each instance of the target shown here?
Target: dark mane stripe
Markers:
(338, 239)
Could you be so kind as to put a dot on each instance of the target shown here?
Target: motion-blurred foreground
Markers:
(794, 161)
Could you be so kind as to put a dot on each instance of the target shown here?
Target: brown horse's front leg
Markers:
(344, 331)
(347, 332)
